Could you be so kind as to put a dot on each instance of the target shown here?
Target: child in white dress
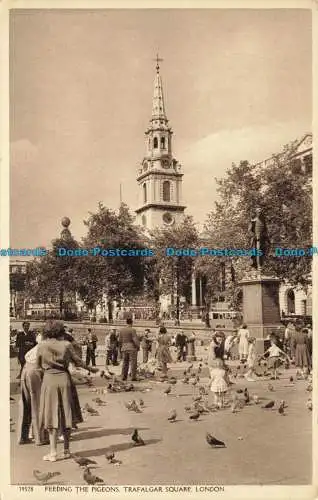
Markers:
(219, 382)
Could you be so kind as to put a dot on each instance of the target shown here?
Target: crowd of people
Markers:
(294, 348)
(49, 404)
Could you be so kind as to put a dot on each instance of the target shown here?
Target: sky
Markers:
(237, 86)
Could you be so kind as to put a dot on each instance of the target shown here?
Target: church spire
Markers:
(158, 105)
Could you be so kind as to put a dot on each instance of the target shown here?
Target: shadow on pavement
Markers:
(113, 448)
(104, 432)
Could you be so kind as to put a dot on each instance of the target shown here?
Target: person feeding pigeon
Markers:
(219, 382)
(57, 410)
(274, 356)
(163, 351)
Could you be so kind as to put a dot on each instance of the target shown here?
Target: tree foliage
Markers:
(284, 193)
(52, 275)
(174, 272)
(119, 276)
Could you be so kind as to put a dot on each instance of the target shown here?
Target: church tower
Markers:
(159, 177)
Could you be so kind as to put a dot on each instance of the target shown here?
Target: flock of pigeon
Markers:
(199, 406)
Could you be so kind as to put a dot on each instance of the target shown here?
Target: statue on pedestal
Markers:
(259, 239)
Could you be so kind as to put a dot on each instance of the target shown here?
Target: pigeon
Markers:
(90, 410)
(270, 387)
(89, 478)
(138, 441)
(212, 441)
(185, 380)
(291, 379)
(309, 404)
(194, 416)
(128, 405)
(172, 381)
(167, 390)
(239, 391)
(110, 457)
(172, 417)
(201, 409)
(44, 477)
(269, 405)
(136, 408)
(203, 391)
(281, 408)
(141, 402)
(99, 402)
(83, 461)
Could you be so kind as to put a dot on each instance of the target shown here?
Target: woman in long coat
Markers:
(57, 408)
(163, 351)
(302, 358)
(29, 404)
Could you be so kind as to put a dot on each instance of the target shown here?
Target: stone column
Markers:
(194, 292)
(200, 288)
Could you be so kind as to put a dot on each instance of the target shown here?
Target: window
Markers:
(144, 220)
(144, 187)
(166, 190)
(155, 142)
(163, 143)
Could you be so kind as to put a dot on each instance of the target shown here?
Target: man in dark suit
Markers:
(129, 346)
(181, 344)
(24, 342)
(91, 344)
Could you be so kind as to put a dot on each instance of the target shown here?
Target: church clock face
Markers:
(165, 163)
(168, 218)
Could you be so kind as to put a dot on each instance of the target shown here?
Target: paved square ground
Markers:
(262, 447)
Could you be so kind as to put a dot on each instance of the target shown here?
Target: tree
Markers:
(174, 272)
(284, 193)
(53, 275)
(116, 276)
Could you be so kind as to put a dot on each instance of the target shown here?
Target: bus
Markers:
(225, 319)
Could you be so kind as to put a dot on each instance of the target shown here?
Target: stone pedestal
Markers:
(261, 311)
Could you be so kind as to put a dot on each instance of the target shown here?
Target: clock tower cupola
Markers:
(159, 176)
